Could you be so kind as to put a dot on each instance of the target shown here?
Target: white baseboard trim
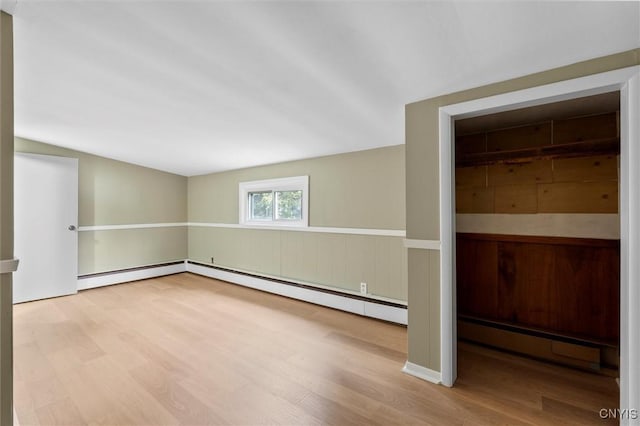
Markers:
(385, 312)
(423, 373)
(132, 275)
(318, 297)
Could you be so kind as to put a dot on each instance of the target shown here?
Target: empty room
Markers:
(319, 212)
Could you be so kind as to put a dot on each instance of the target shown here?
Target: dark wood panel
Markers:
(524, 281)
(477, 282)
(564, 285)
(586, 296)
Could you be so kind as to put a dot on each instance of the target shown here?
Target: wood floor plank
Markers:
(95, 404)
(189, 350)
(183, 405)
(63, 412)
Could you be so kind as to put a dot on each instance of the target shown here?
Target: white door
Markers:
(46, 216)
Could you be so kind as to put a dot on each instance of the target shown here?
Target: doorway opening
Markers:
(537, 247)
(626, 81)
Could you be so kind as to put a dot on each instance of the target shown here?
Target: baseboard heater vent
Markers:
(358, 304)
(101, 279)
(575, 352)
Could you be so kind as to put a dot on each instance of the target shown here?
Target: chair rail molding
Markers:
(9, 265)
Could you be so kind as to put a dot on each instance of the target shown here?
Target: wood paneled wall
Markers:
(341, 261)
(569, 185)
(568, 286)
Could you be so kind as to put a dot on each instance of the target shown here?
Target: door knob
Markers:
(72, 227)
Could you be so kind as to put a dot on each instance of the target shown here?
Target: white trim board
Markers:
(321, 229)
(343, 303)
(423, 373)
(630, 245)
(126, 276)
(571, 225)
(8, 266)
(130, 226)
(422, 244)
(627, 82)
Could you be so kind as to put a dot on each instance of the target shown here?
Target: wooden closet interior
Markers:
(538, 243)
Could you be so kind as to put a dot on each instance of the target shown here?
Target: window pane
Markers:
(289, 205)
(261, 205)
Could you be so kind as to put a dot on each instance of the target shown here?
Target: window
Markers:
(275, 202)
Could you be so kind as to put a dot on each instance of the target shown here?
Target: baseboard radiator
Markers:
(332, 298)
(578, 353)
(101, 279)
(357, 304)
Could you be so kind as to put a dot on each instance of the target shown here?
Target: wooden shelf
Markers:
(604, 146)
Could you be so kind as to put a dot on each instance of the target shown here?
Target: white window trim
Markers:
(296, 183)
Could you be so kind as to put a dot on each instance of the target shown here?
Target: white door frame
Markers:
(625, 80)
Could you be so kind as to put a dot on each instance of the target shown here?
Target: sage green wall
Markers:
(6, 217)
(356, 190)
(116, 193)
(362, 189)
(423, 214)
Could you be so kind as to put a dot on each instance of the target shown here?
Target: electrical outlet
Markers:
(363, 288)
(212, 260)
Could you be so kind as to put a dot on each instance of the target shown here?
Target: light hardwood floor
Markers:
(189, 350)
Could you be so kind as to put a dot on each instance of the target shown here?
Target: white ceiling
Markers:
(193, 87)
